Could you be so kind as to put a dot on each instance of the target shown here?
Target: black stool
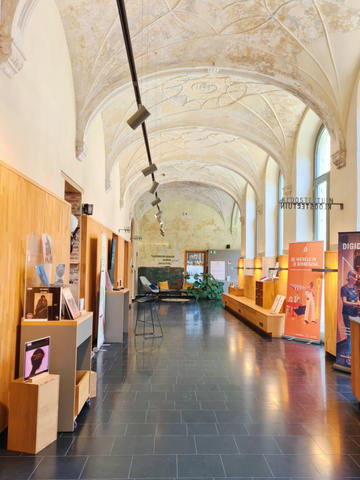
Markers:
(150, 302)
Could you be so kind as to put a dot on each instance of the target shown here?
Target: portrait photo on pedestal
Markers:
(37, 358)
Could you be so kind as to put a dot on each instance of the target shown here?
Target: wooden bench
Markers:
(270, 323)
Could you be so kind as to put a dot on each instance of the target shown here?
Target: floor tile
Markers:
(246, 465)
(223, 416)
(198, 416)
(139, 429)
(201, 429)
(292, 466)
(107, 467)
(91, 446)
(13, 468)
(335, 465)
(59, 468)
(133, 445)
(110, 430)
(153, 466)
(341, 445)
(216, 445)
(166, 445)
(257, 444)
(299, 445)
(171, 429)
(200, 466)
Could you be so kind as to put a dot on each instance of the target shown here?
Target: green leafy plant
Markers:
(207, 283)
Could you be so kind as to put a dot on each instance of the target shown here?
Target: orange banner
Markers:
(304, 291)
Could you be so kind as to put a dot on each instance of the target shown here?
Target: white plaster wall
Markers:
(305, 151)
(37, 121)
(344, 182)
(250, 222)
(271, 208)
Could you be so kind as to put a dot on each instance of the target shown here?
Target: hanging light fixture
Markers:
(149, 170)
(138, 118)
(156, 201)
(154, 187)
(158, 214)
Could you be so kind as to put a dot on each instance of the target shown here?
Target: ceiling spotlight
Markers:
(155, 202)
(138, 118)
(162, 230)
(158, 214)
(148, 170)
(159, 219)
(161, 233)
(154, 187)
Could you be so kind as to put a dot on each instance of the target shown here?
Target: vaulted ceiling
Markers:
(227, 83)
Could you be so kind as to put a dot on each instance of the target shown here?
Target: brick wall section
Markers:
(75, 200)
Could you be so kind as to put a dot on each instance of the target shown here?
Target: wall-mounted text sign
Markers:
(308, 203)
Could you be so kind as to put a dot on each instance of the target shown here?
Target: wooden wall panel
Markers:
(281, 283)
(330, 288)
(26, 207)
(91, 237)
(90, 264)
(241, 273)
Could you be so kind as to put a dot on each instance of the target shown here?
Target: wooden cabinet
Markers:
(264, 294)
(33, 414)
(272, 324)
(70, 352)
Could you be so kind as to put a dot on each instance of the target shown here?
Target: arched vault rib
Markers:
(124, 154)
(140, 189)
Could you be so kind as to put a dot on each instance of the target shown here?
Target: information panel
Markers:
(101, 322)
(348, 294)
(218, 269)
(304, 291)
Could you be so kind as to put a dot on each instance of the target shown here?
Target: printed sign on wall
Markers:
(101, 322)
(303, 299)
(348, 293)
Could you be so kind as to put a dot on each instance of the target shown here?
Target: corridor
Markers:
(212, 399)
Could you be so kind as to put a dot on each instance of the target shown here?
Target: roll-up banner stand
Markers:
(304, 291)
(101, 321)
(347, 295)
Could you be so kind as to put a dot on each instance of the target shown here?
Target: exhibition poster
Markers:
(347, 294)
(304, 290)
(101, 322)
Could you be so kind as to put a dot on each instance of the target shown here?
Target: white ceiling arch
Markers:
(217, 177)
(262, 114)
(213, 197)
(272, 41)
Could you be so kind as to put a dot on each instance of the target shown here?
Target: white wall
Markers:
(37, 121)
(271, 208)
(305, 151)
(250, 222)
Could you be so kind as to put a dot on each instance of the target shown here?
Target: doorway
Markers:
(194, 263)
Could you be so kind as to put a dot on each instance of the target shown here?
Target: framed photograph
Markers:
(60, 275)
(36, 358)
(43, 303)
(47, 248)
(70, 302)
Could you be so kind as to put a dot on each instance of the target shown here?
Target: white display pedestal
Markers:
(116, 315)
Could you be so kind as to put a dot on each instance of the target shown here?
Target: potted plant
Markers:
(205, 286)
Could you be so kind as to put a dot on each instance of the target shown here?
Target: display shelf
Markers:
(272, 324)
(70, 351)
(264, 294)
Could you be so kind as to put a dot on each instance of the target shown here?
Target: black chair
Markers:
(148, 304)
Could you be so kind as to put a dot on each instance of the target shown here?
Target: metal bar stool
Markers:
(150, 302)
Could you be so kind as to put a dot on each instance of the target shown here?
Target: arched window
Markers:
(322, 166)
(280, 216)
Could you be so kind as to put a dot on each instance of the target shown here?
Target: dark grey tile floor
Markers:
(212, 400)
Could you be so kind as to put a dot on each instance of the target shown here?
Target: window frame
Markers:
(325, 177)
